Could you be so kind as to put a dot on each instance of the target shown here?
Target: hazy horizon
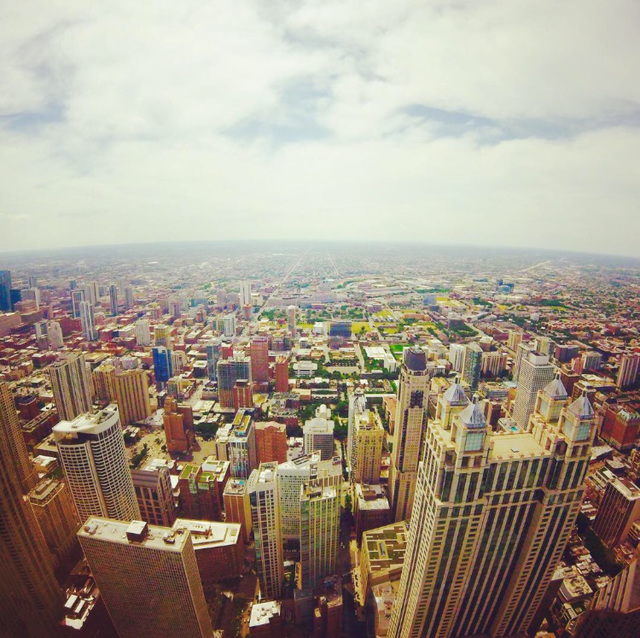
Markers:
(464, 123)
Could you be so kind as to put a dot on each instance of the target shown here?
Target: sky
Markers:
(465, 122)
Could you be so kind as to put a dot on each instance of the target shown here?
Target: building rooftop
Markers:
(515, 444)
(262, 613)
(138, 532)
(88, 423)
(209, 534)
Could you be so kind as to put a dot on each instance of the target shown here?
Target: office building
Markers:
(282, 373)
(628, 371)
(535, 373)
(491, 518)
(319, 533)
(262, 487)
(143, 332)
(30, 601)
(94, 459)
(271, 442)
(71, 385)
(165, 598)
(229, 371)
(472, 365)
(132, 395)
(87, 320)
(371, 508)
(152, 485)
(178, 426)
(408, 434)
(219, 550)
(202, 489)
(162, 365)
(357, 406)
(5, 291)
(53, 507)
(77, 297)
(91, 293)
(318, 433)
(162, 336)
(369, 440)
(619, 510)
(129, 298)
(15, 454)
(620, 426)
(259, 354)
(237, 508)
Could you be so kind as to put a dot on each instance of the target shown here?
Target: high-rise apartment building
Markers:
(245, 293)
(410, 422)
(213, 350)
(291, 320)
(132, 395)
(472, 364)
(202, 489)
(259, 354)
(87, 320)
(143, 332)
(319, 533)
(94, 460)
(262, 487)
(229, 371)
(54, 335)
(241, 445)
(369, 441)
(271, 442)
(77, 297)
(152, 485)
(15, 454)
(229, 325)
(162, 336)
(178, 428)
(53, 507)
(628, 371)
(305, 469)
(491, 518)
(237, 508)
(535, 373)
(318, 433)
(357, 406)
(71, 385)
(456, 356)
(113, 299)
(5, 291)
(242, 394)
(104, 382)
(162, 594)
(30, 601)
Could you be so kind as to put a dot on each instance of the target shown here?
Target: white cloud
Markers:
(193, 120)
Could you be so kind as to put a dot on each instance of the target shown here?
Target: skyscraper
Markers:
(132, 395)
(413, 389)
(259, 353)
(71, 385)
(263, 497)
(271, 442)
(291, 320)
(162, 365)
(154, 494)
(213, 355)
(491, 518)
(77, 297)
(15, 453)
(113, 299)
(87, 319)
(318, 433)
(628, 371)
(369, 441)
(30, 601)
(143, 333)
(5, 291)
(472, 364)
(229, 371)
(535, 373)
(282, 374)
(94, 460)
(54, 335)
(319, 533)
(245, 293)
(357, 405)
(161, 594)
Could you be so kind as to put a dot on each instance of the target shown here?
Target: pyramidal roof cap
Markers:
(555, 389)
(472, 416)
(455, 395)
(581, 407)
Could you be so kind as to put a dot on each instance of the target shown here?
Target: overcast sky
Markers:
(510, 123)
